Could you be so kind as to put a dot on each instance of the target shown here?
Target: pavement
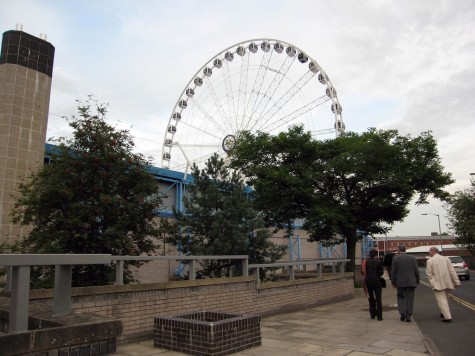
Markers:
(343, 328)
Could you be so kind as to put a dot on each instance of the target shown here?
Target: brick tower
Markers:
(26, 68)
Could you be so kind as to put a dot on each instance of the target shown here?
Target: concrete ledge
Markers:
(37, 294)
(307, 280)
(124, 288)
(55, 333)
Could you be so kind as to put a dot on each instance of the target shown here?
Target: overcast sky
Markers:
(405, 65)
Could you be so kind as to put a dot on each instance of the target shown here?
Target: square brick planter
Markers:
(207, 333)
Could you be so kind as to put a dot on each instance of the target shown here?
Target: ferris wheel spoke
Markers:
(287, 96)
(323, 132)
(196, 145)
(208, 116)
(200, 130)
(199, 159)
(218, 105)
(229, 93)
(242, 88)
(272, 88)
(256, 88)
(292, 116)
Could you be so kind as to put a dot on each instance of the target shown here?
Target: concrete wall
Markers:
(137, 304)
(47, 334)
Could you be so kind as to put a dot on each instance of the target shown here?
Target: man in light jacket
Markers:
(442, 278)
(405, 277)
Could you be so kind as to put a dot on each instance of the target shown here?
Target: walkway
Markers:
(343, 328)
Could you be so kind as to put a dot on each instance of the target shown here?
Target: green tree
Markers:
(96, 197)
(344, 187)
(461, 209)
(277, 167)
(219, 220)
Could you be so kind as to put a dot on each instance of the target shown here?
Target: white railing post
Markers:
(191, 270)
(62, 289)
(245, 267)
(119, 272)
(20, 297)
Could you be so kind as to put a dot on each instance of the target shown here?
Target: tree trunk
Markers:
(351, 251)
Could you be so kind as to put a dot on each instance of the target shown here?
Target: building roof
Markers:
(422, 249)
(401, 238)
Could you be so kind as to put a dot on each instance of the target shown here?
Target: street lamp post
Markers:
(440, 232)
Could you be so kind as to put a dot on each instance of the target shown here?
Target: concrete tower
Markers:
(26, 68)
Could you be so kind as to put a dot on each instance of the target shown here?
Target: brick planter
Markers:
(207, 333)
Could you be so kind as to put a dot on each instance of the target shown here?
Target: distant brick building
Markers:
(390, 243)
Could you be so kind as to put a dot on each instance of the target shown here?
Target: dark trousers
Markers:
(388, 268)
(405, 300)
(375, 303)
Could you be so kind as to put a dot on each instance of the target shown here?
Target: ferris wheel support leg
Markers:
(186, 158)
(179, 197)
(294, 252)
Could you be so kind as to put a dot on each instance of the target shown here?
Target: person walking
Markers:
(442, 278)
(363, 272)
(387, 262)
(405, 277)
(374, 271)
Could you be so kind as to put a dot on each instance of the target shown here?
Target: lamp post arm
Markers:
(440, 231)
(440, 235)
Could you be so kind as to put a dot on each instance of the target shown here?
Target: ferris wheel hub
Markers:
(228, 143)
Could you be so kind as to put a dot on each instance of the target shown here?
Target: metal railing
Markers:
(191, 260)
(18, 275)
(18, 282)
(290, 266)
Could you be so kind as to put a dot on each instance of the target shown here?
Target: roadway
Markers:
(454, 338)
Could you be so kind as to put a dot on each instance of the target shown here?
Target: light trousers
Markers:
(441, 296)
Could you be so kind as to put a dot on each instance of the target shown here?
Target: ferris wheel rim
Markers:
(189, 84)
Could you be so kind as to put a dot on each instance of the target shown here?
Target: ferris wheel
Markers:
(261, 85)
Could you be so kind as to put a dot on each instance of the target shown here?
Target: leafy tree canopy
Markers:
(277, 167)
(340, 187)
(95, 197)
(461, 209)
(219, 220)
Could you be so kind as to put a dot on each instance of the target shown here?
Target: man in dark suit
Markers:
(405, 277)
(388, 261)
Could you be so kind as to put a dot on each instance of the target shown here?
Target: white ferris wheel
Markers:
(262, 85)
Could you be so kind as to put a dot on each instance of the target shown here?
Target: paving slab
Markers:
(394, 345)
(279, 344)
(311, 349)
